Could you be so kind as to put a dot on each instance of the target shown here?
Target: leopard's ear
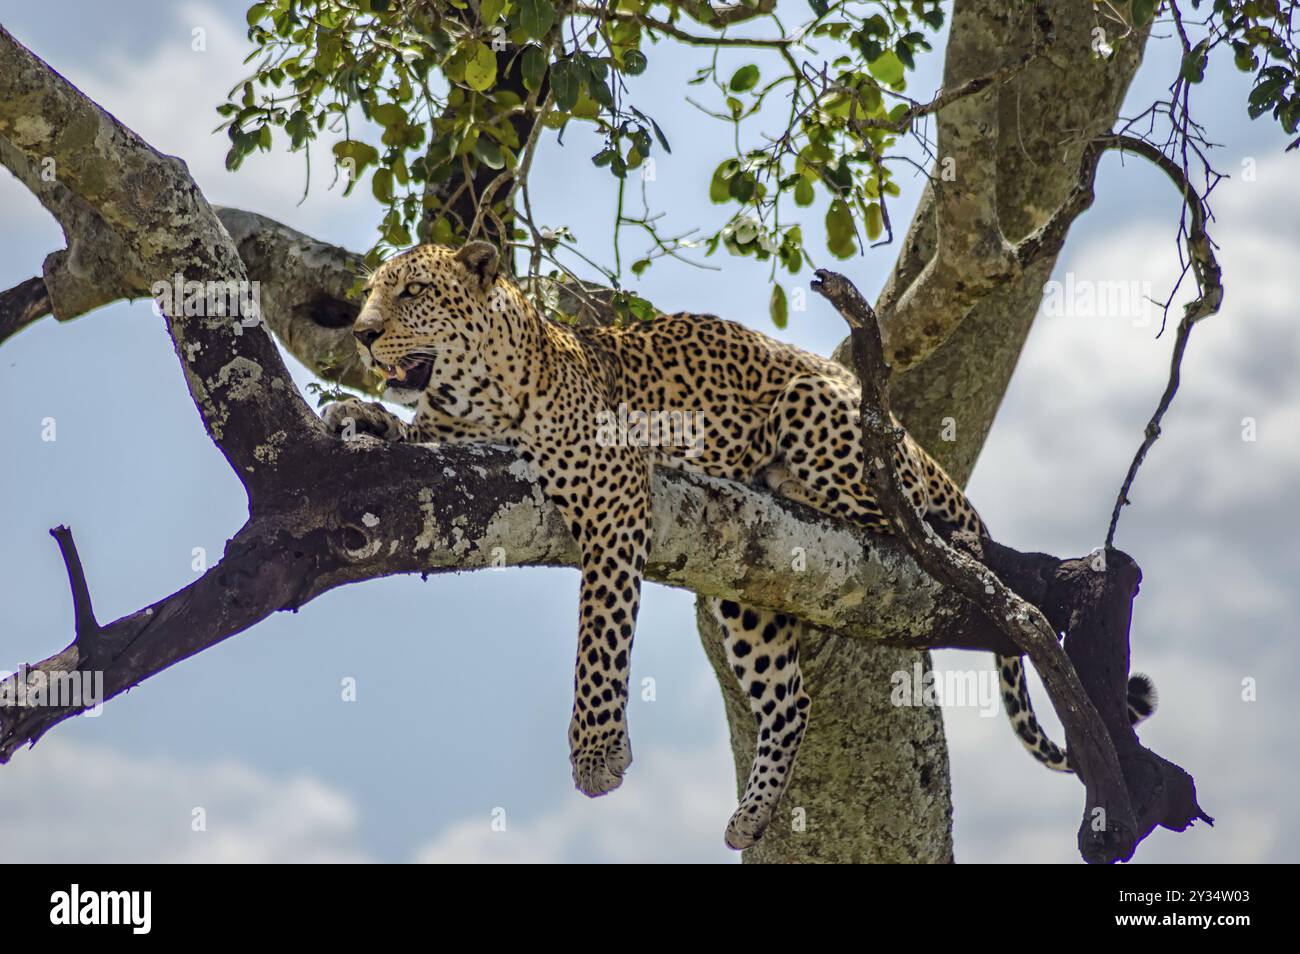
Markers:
(483, 261)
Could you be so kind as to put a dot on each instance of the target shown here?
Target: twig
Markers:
(82, 609)
(677, 33)
(1209, 284)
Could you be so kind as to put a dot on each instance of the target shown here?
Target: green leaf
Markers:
(566, 84)
(396, 234)
(745, 78)
(634, 62)
(875, 221)
(741, 188)
(382, 185)
(1244, 57)
(361, 154)
(778, 307)
(659, 134)
(887, 68)
(1194, 62)
(598, 91)
(489, 11)
(533, 67)
(803, 192)
(299, 129)
(720, 184)
(489, 153)
(904, 54)
(1143, 11)
(389, 114)
(535, 18)
(481, 67)
(839, 230)
(1263, 96)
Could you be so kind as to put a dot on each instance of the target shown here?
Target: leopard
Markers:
(449, 331)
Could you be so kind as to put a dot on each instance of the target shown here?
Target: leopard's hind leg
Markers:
(763, 653)
(812, 430)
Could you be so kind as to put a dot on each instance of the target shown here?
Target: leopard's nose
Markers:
(367, 336)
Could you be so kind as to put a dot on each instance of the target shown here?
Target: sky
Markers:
(454, 747)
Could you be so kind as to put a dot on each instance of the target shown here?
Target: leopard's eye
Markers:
(412, 289)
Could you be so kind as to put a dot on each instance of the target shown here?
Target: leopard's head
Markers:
(429, 302)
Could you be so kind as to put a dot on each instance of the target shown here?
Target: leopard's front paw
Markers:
(599, 758)
(352, 416)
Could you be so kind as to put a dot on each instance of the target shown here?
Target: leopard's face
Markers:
(428, 303)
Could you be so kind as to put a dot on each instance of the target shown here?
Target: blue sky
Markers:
(464, 680)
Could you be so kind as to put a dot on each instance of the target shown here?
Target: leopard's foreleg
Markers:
(604, 493)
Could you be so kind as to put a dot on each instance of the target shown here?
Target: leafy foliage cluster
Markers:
(461, 90)
(448, 81)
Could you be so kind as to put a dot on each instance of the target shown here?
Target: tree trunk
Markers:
(873, 779)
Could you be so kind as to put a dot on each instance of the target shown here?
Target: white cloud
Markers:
(178, 118)
(64, 802)
(672, 807)
(1010, 810)
(1086, 386)
(1211, 524)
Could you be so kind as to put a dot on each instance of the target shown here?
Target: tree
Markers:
(464, 94)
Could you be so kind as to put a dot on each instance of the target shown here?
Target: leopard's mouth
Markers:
(412, 373)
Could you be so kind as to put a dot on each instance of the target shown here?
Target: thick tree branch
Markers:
(726, 14)
(309, 294)
(971, 255)
(94, 269)
(345, 511)
(677, 33)
(307, 291)
(230, 362)
(21, 305)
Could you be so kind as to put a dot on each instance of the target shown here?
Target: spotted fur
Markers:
(461, 342)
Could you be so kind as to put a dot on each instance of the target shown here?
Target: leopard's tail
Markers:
(1142, 702)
